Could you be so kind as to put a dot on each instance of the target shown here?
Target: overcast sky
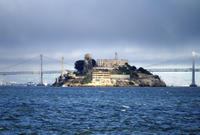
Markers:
(143, 31)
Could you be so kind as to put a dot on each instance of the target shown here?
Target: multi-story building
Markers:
(101, 77)
(111, 63)
(119, 77)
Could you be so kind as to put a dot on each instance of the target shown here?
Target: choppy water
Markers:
(37, 110)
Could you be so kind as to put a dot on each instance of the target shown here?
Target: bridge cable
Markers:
(49, 58)
(20, 63)
(159, 63)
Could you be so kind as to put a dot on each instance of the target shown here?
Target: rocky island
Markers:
(107, 73)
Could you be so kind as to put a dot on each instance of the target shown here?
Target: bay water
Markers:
(85, 110)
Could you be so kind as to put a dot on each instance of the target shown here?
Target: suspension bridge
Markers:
(191, 69)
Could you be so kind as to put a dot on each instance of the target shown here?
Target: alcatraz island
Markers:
(107, 73)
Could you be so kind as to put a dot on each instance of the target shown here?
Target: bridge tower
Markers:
(116, 56)
(63, 70)
(193, 70)
(41, 71)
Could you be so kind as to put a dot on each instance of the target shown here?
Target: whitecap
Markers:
(124, 106)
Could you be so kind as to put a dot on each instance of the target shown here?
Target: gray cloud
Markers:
(143, 31)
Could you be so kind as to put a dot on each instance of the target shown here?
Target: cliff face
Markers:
(149, 81)
(138, 78)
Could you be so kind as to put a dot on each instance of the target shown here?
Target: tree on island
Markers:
(142, 70)
(132, 70)
(79, 65)
(83, 66)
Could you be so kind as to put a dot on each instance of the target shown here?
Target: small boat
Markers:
(40, 84)
(31, 84)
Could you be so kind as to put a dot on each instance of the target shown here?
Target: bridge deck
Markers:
(59, 71)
